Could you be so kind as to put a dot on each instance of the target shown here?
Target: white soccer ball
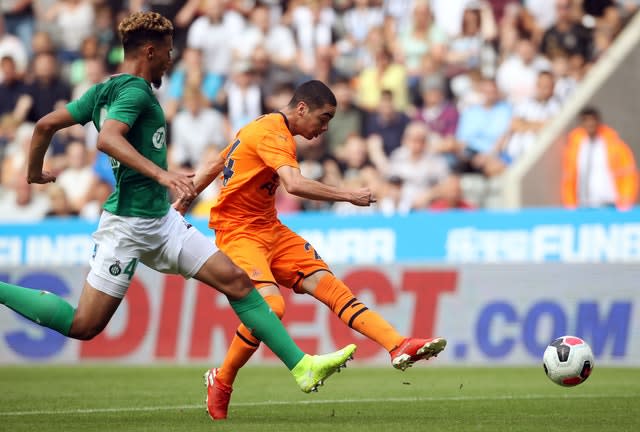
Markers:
(568, 361)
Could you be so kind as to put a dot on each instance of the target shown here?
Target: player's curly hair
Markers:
(315, 94)
(141, 27)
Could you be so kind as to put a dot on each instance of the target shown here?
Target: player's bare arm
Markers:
(112, 141)
(44, 130)
(297, 184)
(203, 178)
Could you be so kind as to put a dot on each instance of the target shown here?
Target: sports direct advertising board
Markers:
(492, 314)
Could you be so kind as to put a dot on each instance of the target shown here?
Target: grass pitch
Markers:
(168, 398)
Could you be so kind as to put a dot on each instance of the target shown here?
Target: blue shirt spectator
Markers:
(481, 126)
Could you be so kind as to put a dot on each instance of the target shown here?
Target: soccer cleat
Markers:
(218, 395)
(413, 349)
(312, 371)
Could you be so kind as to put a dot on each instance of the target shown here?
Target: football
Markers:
(568, 361)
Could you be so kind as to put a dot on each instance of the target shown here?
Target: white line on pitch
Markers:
(312, 402)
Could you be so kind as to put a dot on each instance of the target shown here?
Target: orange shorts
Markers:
(271, 255)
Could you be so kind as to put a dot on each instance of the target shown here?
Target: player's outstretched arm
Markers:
(204, 176)
(44, 130)
(112, 141)
(296, 184)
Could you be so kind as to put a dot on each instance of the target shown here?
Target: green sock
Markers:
(254, 313)
(41, 307)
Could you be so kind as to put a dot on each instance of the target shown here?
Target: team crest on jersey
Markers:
(115, 268)
(159, 138)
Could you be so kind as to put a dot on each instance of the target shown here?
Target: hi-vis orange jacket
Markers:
(621, 164)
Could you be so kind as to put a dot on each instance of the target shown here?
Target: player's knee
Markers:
(277, 305)
(84, 331)
(237, 283)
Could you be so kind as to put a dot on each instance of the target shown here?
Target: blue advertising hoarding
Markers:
(544, 235)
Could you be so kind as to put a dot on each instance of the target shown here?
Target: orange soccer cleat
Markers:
(218, 395)
(413, 349)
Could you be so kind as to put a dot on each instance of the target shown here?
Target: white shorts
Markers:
(168, 244)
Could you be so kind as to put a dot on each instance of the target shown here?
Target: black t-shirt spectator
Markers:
(45, 96)
(390, 131)
(575, 41)
(10, 92)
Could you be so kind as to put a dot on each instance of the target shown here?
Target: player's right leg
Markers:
(197, 257)
(309, 371)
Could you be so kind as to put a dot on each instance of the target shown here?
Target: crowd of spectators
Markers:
(428, 90)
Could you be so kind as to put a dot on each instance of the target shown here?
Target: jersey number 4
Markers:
(227, 171)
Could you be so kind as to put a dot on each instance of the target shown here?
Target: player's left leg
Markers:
(338, 297)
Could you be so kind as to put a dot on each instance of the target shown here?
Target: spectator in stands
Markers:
(422, 37)
(278, 40)
(529, 118)
(13, 90)
(18, 20)
(312, 22)
(89, 50)
(565, 83)
(74, 23)
(448, 196)
(385, 75)
(480, 128)
(20, 202)
(195, 128)
(190, 72)
(94, 72)
(241, 98)
(599, 168)
(15, 152)
(419, 168)
(566, 35)
(349, 118)
(358, 23)
(390, 200)
(47, 90)
(318, 164)
(59, 203)
(12, 46)
(543, 12)
(516, 76)
(268, 75)
(439, 114)
(77, 178)
(42, 42)
(383, 130)
(471, 48)
(353, 161)
(213, 33)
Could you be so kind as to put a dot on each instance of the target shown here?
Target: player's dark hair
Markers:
(142, 27)
(315, 94)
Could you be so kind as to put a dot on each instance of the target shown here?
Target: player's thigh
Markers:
(93, 313)
(294, 259)
(251, 252)
(116, 254)
(176, 246)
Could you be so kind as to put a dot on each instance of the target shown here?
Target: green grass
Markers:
(167, 398)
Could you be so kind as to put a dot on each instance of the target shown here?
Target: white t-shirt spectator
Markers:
(517, 80)
(191, 135)
(418, 175)
(216, 40)
(531, 110)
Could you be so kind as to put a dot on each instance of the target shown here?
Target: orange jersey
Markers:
(249, 178)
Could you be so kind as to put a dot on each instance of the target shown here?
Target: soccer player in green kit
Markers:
(138, 224)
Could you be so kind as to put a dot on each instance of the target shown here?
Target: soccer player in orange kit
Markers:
(247, 228)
